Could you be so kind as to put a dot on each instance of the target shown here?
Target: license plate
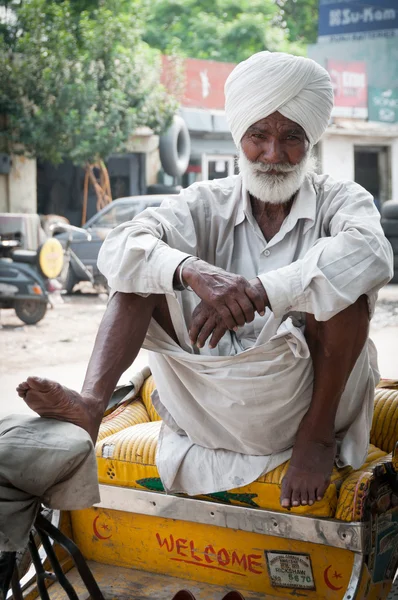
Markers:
(290, 570)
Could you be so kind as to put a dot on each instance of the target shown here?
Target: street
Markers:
(59, 346)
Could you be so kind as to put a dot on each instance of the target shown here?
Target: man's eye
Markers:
(258, 136)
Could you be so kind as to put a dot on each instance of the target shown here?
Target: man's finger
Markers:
(237, 312)
(227, 317)
(257, 298)
(197, 323)
(247, 308)
(205, 332)
(217, 335)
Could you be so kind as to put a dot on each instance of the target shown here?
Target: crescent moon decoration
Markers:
(328, 582)
(97, 533)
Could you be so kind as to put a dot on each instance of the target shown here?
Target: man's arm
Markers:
(355, 259)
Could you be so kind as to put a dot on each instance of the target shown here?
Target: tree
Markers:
(224, 30)
(76, 84)
(301, 19)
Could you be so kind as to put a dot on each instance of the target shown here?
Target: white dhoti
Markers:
(229, 418)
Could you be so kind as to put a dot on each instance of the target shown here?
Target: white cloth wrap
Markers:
(268, 82)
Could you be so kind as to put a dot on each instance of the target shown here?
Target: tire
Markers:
(70, 281)
(30, 311)
(390, 227)
(175, 148)
(389, 209)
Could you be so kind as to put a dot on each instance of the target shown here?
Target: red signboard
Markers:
(197, 83)
(350, 88)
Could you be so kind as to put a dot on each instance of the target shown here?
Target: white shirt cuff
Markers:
(283, 289)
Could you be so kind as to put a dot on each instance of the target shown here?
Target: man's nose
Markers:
(273, 152)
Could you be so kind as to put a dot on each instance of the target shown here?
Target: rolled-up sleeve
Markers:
(136, 256)
(354, 258)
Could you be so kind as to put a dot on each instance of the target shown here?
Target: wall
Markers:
(18, 188)
(337, 155)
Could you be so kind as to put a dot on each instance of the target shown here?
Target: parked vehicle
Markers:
(86, 250)
(389, 222)
(24, 277)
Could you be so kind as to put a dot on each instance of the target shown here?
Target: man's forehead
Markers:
(276, 120)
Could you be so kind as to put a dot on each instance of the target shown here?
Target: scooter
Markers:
(24, 275)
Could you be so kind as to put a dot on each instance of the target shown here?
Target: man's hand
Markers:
(205, 322)
(233, 298)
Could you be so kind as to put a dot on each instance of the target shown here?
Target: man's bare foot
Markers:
(308, 475)
(54, 401)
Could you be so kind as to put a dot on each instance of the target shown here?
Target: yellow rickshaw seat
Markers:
(126, 456)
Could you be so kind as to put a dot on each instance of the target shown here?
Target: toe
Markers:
(286, 493)
(304, 497)
(311, 496)
(39, 384)
(23, 386)
(296, 497)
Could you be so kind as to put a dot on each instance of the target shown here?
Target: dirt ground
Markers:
(65, 335)
(60, 345)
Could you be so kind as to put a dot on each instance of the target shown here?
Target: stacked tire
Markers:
(389, 222)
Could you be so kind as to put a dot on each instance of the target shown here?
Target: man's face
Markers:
(274, 158)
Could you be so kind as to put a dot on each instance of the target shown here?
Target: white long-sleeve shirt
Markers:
(231, 413)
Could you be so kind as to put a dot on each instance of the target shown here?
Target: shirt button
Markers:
(267, 252)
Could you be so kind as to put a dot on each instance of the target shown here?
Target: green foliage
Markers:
(301, 18)
(78, 83)
(224, 30)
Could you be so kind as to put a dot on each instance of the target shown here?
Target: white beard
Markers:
(274, 188)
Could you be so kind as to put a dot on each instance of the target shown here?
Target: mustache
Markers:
(277, 168)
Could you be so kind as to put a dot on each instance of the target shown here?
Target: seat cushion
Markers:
(384, 433)
(128, 458)
(146, 393)
(132, 413)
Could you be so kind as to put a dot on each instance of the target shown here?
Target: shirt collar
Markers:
(304, 206)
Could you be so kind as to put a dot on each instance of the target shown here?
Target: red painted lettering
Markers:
(165, 542)
(209, 550)
(252, 563)
(223, 557)
(192, 549)
(242, 562)
(181, 545)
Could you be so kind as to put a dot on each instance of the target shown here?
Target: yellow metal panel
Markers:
(204, 552)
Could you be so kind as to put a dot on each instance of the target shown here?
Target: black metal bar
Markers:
(15, 585)
(7, 566)
(62, 579)
(42, 524)
(40, 572)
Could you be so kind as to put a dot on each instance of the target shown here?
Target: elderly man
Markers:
(253, 295)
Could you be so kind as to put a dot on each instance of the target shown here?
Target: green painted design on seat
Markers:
(154, 484)
(230, 497)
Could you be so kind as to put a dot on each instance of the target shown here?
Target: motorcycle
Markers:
(24, 276)
(28, 278)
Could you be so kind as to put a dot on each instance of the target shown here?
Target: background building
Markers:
(358, 45)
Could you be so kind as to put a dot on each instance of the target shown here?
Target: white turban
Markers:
(267, 82)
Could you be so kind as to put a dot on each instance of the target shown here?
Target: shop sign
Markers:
(357, 19)
(350, 88)
(383, 104)
(201, 81)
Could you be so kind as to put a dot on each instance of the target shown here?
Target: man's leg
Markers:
(119, 339)
(335, 346)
